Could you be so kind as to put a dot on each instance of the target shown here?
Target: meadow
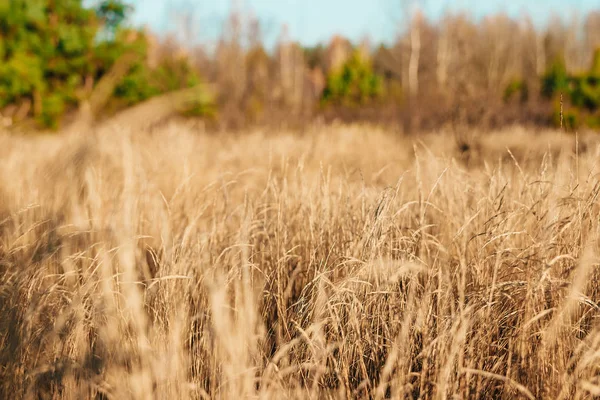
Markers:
(343, 261)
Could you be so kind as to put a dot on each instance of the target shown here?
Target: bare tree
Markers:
(540, 53)
(410, 78)
(291, 71)
(415, 52)
(591, 35)
(443, 55)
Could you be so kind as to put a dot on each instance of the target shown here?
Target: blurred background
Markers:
(232, 64)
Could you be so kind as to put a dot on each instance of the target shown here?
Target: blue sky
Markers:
(312, 21)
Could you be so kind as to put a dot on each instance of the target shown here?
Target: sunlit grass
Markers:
(344, 262)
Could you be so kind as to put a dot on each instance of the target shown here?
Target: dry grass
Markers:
(346, 262)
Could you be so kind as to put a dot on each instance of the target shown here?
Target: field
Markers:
(339, 262)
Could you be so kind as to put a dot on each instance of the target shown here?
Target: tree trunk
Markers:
(415, 53)
(442, 60)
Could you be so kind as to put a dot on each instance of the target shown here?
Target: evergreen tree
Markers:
(46, 51)
(353, 84)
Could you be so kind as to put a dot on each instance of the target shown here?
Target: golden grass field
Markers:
(341, 262)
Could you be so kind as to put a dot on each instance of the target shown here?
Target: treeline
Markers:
(492, 72)
(57, 56)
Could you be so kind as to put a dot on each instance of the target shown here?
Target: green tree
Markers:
(113, 13)
(580, 94)
(556, 79)
(143, 82)
(52, 53)
(45, 52)
(353, 84)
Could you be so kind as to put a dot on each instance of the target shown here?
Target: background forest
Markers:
(59, 56)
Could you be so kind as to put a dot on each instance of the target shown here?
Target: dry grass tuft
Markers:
(342, 263)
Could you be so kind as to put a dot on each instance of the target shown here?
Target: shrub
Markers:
(353, 84)
(580, 93)
(46, 49)
(555, 80)
(516, 88)
(143, 82)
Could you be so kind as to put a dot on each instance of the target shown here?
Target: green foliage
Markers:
(580, 93)
(113, 13)
(135, 86)
(20, 75)
(595, 70)
(53, 107)
(516, 88)
(584, 91)
(555, 80)
(49, 49)
(143, 82)
(204, 107)
(46, 50)
(353, 84)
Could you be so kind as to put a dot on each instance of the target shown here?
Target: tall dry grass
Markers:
(345, 262)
